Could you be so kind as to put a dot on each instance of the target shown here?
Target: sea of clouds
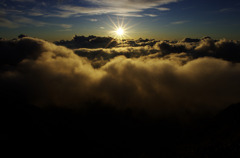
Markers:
(161, 78)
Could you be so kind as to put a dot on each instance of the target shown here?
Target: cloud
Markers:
(67, 9)
(36, 12)
(179, 22)
(129, 15)
(151, 15)
(88, 42)
(93, 20)
(66, 26)
(108, 54)
(167, 48)
(103, 42)
(19, 21)
(140, 4)
(195, 48)
(189, 40)
(40, 73)
(226, 10)
(24, 1)
(163, 9)
(120, 8)
(7, 23)
(65, 30)
(224, 49)
(24, 20)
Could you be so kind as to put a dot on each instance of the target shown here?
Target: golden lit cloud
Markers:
(43, 74)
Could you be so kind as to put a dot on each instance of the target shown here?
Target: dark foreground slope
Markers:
(107, 132)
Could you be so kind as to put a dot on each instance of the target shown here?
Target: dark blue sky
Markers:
(159, 19)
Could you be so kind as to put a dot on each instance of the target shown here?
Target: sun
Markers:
(120, 31)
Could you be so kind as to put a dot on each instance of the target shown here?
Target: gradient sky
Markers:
(159, 19)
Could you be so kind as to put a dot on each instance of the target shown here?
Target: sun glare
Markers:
(120, 31)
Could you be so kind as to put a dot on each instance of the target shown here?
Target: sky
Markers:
(158, 19)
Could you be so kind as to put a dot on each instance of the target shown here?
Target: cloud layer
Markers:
(167, 79)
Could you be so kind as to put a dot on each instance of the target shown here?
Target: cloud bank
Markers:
(166, 79)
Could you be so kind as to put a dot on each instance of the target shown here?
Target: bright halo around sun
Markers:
(119, 29)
